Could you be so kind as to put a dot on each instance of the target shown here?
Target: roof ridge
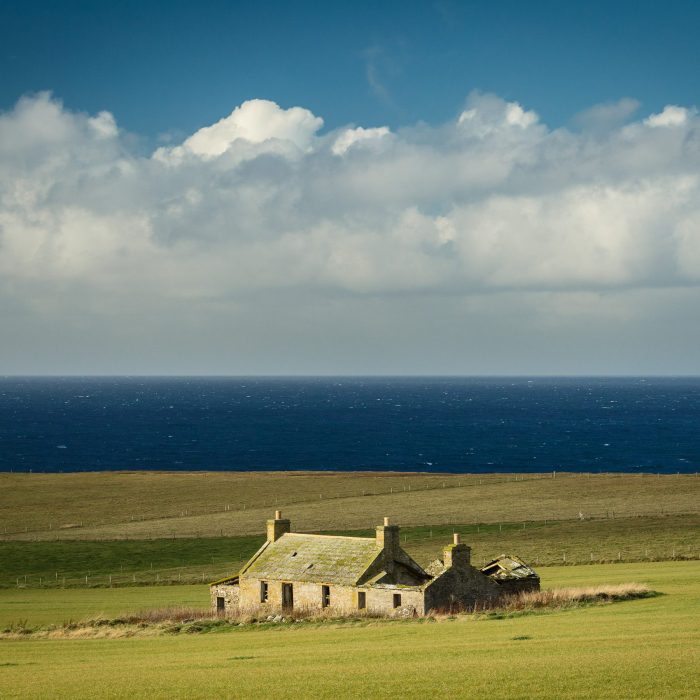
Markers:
(335, 537)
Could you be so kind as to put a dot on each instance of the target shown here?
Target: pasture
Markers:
(108, 505)
(637, 649)
(90, 563)
(81, 546)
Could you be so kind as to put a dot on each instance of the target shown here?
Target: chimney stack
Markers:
(457, 554)
(388, 538)
(277, 527)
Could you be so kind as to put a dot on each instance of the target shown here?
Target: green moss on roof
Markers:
(315, 558)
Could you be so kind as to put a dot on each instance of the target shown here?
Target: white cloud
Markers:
(260, 207)
(255, 121)
(672, 115)
(104, 125)
(487, 114)
(350, 137)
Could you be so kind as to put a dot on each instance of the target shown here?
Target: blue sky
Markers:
(349, 188)
(174, 66)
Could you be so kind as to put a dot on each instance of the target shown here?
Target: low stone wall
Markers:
(231, 595)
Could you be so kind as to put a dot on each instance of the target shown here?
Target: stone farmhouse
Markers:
(313, 572)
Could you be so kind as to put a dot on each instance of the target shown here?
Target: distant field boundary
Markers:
(451, 481)
(179, 561)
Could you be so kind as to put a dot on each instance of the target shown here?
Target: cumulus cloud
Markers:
(672, 115)
(263, 205)
(350, 137)
(254, 122)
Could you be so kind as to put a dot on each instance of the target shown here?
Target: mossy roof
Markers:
(314, 558)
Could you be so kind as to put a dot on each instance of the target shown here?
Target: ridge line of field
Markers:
(258, 511)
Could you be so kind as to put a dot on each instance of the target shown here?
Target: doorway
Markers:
(287, 596)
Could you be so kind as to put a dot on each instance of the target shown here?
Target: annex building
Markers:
(300, 571)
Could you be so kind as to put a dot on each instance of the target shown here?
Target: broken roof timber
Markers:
(507, 567)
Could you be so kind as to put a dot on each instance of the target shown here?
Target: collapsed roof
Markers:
(508, 568)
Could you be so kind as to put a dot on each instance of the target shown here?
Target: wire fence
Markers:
(219, 568)
(434, 484)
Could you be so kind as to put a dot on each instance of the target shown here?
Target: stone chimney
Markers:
(277, 527)
(457, 554)
(388, 538)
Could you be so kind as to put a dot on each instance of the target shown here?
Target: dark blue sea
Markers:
(406, 424)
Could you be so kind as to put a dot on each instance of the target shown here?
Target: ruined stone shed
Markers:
(346, 574)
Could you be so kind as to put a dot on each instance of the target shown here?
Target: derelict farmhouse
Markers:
(293, 570)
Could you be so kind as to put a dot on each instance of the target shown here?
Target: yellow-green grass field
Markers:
(90, 563)
(211, 504)
(638, 649)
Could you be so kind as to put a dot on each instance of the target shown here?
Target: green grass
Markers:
(188, 560)
(638, 649)
(57, 606)
(183, 527)
(162, 505)
(127, 562)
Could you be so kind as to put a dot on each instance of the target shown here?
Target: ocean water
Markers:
(407, 424)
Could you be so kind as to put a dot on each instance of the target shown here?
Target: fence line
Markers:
(187, 513)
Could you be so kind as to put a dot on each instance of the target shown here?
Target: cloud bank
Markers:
(263, 226)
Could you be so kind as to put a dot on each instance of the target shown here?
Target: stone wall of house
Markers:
(343, 599)
(460, 587)
(381, 600)
(519, 585)
(231, 595)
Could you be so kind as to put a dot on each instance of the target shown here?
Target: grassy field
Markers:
(637, 649)
(86, 563)
(161, 505)
(54, 607)
(149, 528)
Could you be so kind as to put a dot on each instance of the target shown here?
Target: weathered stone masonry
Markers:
(346, 574)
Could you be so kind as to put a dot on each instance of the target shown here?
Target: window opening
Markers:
(325, 596)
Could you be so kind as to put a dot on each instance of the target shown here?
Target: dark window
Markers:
(220, 603)
(325, 596)
(263, 591)
(361, 600)
(397, 600)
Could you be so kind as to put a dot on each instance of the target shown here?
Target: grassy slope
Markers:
(129, 562)
(638, 649)
(143, 505)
